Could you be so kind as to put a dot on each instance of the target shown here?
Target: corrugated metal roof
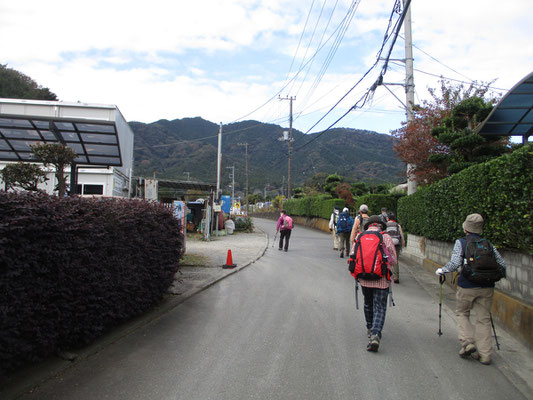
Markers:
(513, 115)
(90, 130)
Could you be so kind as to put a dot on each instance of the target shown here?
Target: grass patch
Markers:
(193, 260)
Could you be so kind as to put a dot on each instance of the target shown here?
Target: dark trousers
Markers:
(375, 308)
(284, 234)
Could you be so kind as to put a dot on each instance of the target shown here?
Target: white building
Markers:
(98, 133)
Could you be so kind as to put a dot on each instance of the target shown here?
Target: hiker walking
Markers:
(359, 222)
(482, 266)
(384, 214)
(333, 226)
(373, 253)
(395, 231)
(284, 226)
(344, 228)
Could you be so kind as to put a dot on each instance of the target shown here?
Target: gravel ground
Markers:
(204, 259)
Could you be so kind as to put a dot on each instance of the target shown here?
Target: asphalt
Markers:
(204, 268)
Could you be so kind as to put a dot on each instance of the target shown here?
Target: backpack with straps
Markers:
(480, 265)
(394, 232)
(368, 259)
(287, 222)
(342, 223)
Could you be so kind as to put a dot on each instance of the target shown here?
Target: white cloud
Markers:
(161, 59)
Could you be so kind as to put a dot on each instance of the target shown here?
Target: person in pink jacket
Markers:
(284, 226)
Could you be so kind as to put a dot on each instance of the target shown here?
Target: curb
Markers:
(33, 376)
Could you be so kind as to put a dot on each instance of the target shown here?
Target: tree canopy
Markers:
(440, 140)
(16, 85)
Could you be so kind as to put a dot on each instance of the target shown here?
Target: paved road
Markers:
(285, 328)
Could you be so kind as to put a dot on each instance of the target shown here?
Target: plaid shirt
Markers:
(390, 250)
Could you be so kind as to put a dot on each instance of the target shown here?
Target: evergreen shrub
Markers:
(501, 190)
(376, 202)
(72, 268)
(320, 206)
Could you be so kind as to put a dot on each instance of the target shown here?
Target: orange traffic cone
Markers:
(229, 261)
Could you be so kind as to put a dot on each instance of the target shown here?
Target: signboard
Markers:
(150, 189)
(226, 203)
(217, 207)
(237, 206)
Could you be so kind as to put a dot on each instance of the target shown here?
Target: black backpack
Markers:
(480, 265)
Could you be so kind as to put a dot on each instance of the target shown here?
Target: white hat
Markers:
(363, 208)
(345, 209)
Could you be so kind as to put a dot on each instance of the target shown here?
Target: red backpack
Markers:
(368, 259)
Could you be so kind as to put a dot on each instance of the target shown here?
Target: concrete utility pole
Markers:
(246, 158)
(219, 162)
(409, 87)
(232, 175)
(290, 144)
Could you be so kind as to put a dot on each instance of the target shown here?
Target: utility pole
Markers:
(291, 98)
(409, 87)
(246, 158)
(219, 161)
(232, 175)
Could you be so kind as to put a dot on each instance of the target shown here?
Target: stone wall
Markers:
(513, 299)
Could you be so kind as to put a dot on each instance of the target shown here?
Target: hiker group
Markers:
(374, 246)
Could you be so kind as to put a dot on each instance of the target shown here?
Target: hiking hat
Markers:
(363, 208)
(345, 209)
(473, 223)
(375, 219)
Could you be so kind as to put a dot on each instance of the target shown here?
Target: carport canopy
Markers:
(92, 131)
(513, 115)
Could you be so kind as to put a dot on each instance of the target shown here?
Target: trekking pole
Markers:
(494, 330)
(442, 278)
(391, 299)
(274, 241)
(356, 297)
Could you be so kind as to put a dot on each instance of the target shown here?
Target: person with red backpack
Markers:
(284, 226)
(372, 255)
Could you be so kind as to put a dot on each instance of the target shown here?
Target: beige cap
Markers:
(473, 223)
(363, 208)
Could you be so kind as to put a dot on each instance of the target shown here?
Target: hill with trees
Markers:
(189, 145)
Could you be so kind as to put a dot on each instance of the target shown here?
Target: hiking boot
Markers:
(286, 250)
(484, 360)
(397, 281)
(466, 350)
(280, 249)
(373, 345)
(342, 254)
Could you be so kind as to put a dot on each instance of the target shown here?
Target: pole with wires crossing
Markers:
(289, 140)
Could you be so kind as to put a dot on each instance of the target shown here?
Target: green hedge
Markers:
(376, 202)
(314, 206)
(501, 190)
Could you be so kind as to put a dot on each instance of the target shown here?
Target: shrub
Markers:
(376, 202)
(243, 224)
(501, 190)
(313, 206)
(72, 268)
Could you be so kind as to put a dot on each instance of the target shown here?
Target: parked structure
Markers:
(98, 133)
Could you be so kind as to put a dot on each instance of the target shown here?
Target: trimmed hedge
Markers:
(376, 202)
(313, 206)
(72, 268)
(501, 190)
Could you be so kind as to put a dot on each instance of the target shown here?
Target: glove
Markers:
(439, 272)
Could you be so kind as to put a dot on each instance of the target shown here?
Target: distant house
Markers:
(99, 134)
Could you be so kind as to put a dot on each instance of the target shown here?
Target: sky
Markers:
(231, 60)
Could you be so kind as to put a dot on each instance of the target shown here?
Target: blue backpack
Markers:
(343, 223)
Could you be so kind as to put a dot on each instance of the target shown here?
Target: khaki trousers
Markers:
(478, 300)
(335, 239)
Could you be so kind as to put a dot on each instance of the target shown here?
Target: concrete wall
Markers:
(513, 299)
